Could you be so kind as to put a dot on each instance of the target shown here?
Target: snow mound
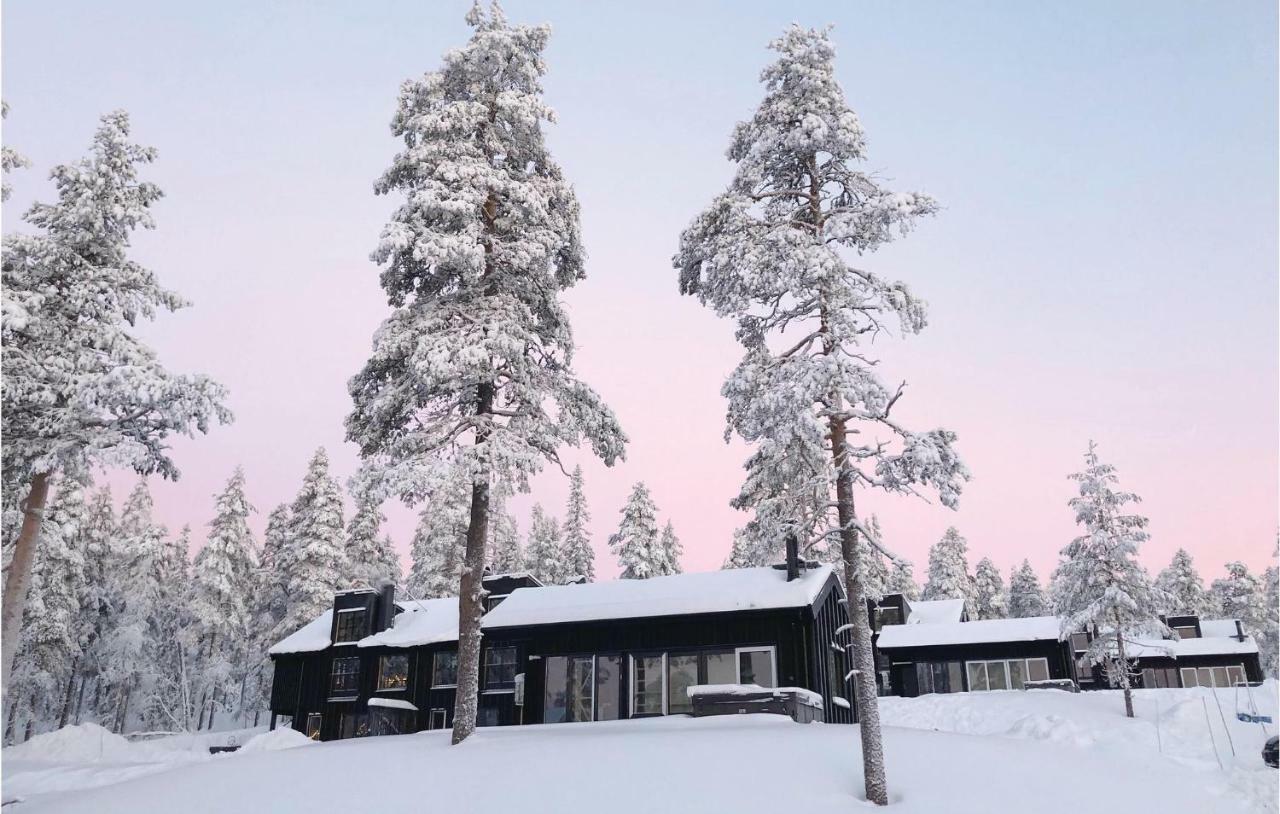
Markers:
(275, 740)
(83, 743)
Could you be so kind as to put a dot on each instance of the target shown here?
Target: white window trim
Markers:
(631, 701)
(1244, 676)
(1008, 674)
(591, 683)
(773, 660)
(335, 627)
(435, 656)
(431, 718)
(1182, 677)
(1027, 668)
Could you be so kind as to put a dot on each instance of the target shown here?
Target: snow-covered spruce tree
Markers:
(474, 366)
(372, 557)
(1182, 584)
(1240, 595)
(1269, 642)
(314, 560)
(170, 704)
(506, 556)
(636, 543)
(772, 252)
(543, 551)
(271, 599)
(578, 557)
(95, 607)
(672, 551)
(224, 584)
(752, 549)
(948, 576)
(10, 159)
(902, 580)
(875, 570)
(989, 600)
(1026, 597)
(1099, 585)
(439, 544)
(80, 389)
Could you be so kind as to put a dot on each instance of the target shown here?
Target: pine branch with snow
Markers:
(10, 159)
(1240, 595)
(902, 580)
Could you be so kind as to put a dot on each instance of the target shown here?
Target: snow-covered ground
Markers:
(1041, 751)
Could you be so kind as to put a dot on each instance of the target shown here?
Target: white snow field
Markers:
(1039, 751)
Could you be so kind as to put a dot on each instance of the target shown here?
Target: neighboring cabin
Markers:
(620, 649)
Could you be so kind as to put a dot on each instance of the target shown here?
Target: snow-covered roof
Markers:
(1029, 629)
(424, 621)
(309, 638)
(935, 611)
(1218, 628)
(1218, 638)
(733, 589)
(392, 703)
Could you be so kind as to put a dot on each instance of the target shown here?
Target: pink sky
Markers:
(1078, 289)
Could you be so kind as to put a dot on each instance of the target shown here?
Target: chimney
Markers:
(386, 605)
(1239, 631)
(793, 557)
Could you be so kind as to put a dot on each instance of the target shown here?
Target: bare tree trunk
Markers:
(10, 718)
(122, 717)
(873, 773)
(84, 679)
(471, 596)
(213, 707)
(1123, 666)
(18, 582)
(66, 699)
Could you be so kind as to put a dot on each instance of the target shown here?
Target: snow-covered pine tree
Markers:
(10, 159)
(671, 549)
(225, 583)
(270, 596)
(1183, 586)
(505, 553)
(902, 579)
(50, 643)
(95, 607)
(474, 366)
(79, 387)
(578, 557)
(170, 704)
(439, 543)
(372, 557)
(875, 570)
(543, 549)
(948, 576)
(1269, 642)
(753, 549)
(1240, 595)
(1099, 585)
(314, 560)
(1026, 597)
(636, 543)
(989, 600)
(770, 252)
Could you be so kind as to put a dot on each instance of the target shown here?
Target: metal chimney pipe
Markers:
(386, 605)
(793, 557)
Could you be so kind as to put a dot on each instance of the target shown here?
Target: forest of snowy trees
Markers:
(469, 392)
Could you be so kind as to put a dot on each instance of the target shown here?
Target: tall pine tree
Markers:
(543, 553)
(506, 556)
(1026, 597)
(949, 576)
(474, 365)
(636, 543)
(314, 559)
(902, 579)
(1099, 585)
(578, 557)
(989, 600)
(1182, 584)
(1240, 595)
(372, 557)
(771, 252)
(80, 388)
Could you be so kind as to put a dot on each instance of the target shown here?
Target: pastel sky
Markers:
(1104, 266)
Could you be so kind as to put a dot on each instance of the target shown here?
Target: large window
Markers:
(939, 677)
(444, 669)
(569, 692)
(682, 673)
(353, 725)
(1186, 632)
(721, 667)
(500, 668)
(344, 678)
(608, 687)
(384, 721)
(1159, 677)
(393, 673)
(1005, 674)
(1212, 676)
(756, 666)
(351, 626)
(314, 719)
(647, 679)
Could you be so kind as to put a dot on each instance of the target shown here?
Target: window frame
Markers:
(344, 695)
(435, 669)
(773, 661)
(1240, 671)
(631, 675)
(1180, 628)
(382, 660)
(1025, 661)
(316, 718)
(342, 615)
(500, 686)
(432, 719)
(1182, 677)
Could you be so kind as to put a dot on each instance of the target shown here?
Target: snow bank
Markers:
(274, 741)
(85, 743)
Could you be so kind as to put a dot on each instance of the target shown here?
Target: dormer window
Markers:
(1186, 632)
(352, 626)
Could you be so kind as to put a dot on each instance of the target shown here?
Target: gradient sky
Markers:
(1104, 266)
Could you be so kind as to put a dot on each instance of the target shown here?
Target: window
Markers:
(487, 716)
(1188, 675)
(569, 689)
(1212, 676)
(888, 615)
(647, 679)
(1079, 642)
(1159, 677)
(1006, 674)
(500, 668)
(721, 667)
(1084, 668)
(939, 677)
(1235, 675)
(444, 669)
(353, 725)
(1205, 676)
(314, 720)
(393, 673)
(1220, 677)
(351, 626)
(608, 687)
(682, 673)
(755, 666)
(1186, 632)
(438, 719)
(390, 721)
(344, 678)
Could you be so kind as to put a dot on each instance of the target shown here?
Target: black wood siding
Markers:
(902, 660)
